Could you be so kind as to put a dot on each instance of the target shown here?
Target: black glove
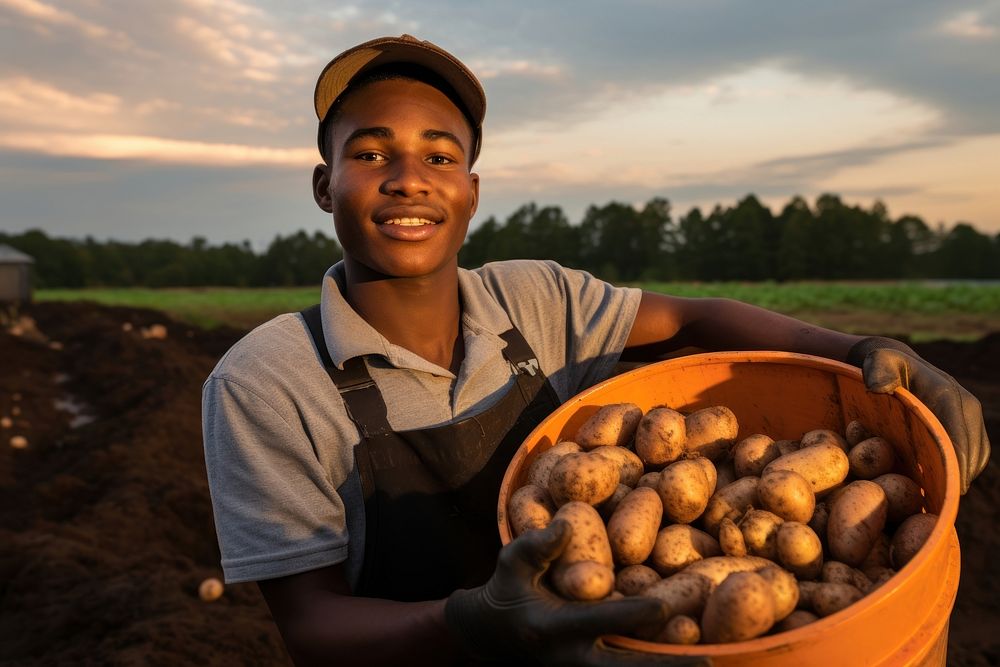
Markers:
(887, 364)
(514, 618)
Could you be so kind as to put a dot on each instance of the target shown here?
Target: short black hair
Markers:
(390, 72)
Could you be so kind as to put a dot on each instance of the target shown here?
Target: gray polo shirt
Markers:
(279, 446)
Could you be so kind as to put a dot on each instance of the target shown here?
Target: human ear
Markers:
(475, 194)
(321, 187)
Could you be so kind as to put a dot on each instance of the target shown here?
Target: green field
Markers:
(920, 310)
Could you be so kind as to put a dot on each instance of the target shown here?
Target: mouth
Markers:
(408, 222)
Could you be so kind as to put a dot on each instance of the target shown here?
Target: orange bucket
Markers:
(905, 621)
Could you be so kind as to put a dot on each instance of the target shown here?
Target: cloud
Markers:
(968, 25)
(47, 15)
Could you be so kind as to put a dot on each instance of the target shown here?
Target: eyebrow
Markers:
(387, 133)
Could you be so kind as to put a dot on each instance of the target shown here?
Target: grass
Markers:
(918, 310)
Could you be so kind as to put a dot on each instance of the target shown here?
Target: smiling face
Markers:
(398, 182)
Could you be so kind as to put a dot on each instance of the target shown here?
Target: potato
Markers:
(679, 545)
(796, 619)
(731, 538)
(684, 490)
(732, 500)
(210, 589)
(878, 557)
(630, 466)
(741, 608)
(800, 550)
(613, 424)
(711, 432)
(538, 471)
(584, 580)
(711, 474)
(751, 454)
(681, 630)
(584, 477)
(786, 446)
(608, 507)
(903, 495)
(835, 572)
(633, 527)
(909, 537)
(589, 540)
(856, 520)
(725, 473)
(879, 575)
(823, 435)
(828, 599)
(650, 479)
(530, 507)
(806, 591)
(760, 533)
(820, 517)
(856, 432)
(684, 592)
(784, 590)
(871, 458)
(787, 494)
(660, 436)
(633, 579)
(717, 568)
(824, 465)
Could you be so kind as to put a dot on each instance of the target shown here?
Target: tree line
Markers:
(829, 240)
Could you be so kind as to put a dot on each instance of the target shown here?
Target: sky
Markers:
(128, 119)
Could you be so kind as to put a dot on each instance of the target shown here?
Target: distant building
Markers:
(15, 275)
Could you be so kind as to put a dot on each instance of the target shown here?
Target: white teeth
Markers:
(409, 222)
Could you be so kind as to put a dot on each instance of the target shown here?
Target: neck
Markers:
(420, 314)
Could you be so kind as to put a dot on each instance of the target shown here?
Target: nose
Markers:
(406, 177)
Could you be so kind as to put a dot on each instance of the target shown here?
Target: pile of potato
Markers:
(739, 538)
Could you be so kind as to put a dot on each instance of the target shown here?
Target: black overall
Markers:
(430, 494)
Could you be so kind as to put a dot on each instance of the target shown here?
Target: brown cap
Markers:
(340, 71)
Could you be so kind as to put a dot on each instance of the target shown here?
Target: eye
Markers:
(369, 156)
(440, 160)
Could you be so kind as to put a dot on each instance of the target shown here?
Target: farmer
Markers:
(355, 450)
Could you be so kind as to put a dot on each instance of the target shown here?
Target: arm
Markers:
(322, 623)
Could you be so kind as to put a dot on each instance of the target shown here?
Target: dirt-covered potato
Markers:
(589, 538)
(856, 520)
(787, 494)
(711, 432)
(800, 550)
(740, 608)
(630, 467)
(760, 533)
(711, 474)
(684, 592)
(824, 465)
(732, 500)
(820, 517)
(679, 545)
(585, 580)
(633, 579)
(856, 432)
(725, 473)
(682, 630)
(660, 437)
(878, 557)
(752, 453)
(835, 572)
(608, 507)
(903, 495)
(871, 458)
(530, 507)
(909, 537)
(823, 435)
(613, 424)
(784, 590)
(717, 568)
(538, 471)
(828, 599)
(585, 477)
(684, 490)
(731, 538)
(786, 446)
(650, 479)
(633, 527)
(796, 619)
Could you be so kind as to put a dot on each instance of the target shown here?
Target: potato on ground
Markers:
(823, 435)
(530, 507)
(538, 471)
(824, 465)
(633, 527)
(909, 537)
(731, 538)
(760, 533)
(732, 500)
(711, 432)
(740, 608)
(856, 520)
(613, 424)
(752, 453)
(787, 494)
(903, 495)
(871, 458)
(684, 490)
(583, 477)
(679, 545)
(633, 579)
(800, 550)
(684, 592)
(660, 437)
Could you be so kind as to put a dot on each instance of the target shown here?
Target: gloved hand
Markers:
(887, 364)
(515, 618)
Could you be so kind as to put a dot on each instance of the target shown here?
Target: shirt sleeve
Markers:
(276, 511)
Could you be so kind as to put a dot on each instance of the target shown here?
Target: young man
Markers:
(354, 451)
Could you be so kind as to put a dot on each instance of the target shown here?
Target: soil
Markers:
(106, 526)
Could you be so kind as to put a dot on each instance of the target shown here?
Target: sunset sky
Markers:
(129, 119)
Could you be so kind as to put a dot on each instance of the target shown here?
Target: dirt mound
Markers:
(105, 520)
